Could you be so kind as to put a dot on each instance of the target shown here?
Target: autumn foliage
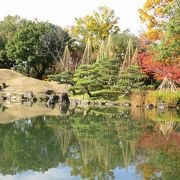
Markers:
(154, 14)
(158, 69)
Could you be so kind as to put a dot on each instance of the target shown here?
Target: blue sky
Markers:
(64, 173)
(63, 12)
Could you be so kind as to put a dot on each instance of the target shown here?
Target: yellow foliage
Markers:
(159, 11)
(152, 34)
(154, 16)
(157, 1)
(150, 25)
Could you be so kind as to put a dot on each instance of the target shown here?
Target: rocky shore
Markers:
(51, 98)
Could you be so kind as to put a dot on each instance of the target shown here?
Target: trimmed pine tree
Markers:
(129, 79)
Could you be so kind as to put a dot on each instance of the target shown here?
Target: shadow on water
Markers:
(93, 142)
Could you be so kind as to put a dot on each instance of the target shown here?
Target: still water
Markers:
(89, 143)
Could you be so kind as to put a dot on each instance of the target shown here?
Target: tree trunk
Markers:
(40, 73)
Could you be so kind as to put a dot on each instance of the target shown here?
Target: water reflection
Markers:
(92, 142)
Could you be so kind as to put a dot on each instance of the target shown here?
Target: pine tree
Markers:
(107, 72)
(103, 74)
(84, 79)
(107, 66)
(129, 79)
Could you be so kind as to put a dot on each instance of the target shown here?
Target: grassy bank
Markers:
(169, 99)
(18, 83)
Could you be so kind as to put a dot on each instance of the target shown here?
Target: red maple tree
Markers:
(158, 69)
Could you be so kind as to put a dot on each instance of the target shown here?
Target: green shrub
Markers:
(171, 99)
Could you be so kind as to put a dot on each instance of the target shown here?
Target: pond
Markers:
(88, 143)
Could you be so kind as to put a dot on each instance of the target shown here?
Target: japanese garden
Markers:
(91, 101)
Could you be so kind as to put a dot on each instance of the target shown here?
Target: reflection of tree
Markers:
(85, 139)
(159, 163)
(127, 135)
(92, 145)
(64, 135)
(99, 144)
(27, 147)
(86, 150)
(96, 145)
(104, 155)
(160, 157)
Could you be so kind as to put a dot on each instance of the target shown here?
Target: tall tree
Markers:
(54, 42)
(121, 42)
(8, 27)
(25, 48)
(98, 25)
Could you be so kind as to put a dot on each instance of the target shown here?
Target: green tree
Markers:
(107, 70)
(26, 49)
(121, 42)
(129, 79)
(168, 50)
(8, 27)
(98, 25)
(101, 75)
(84, 79)
(33, 49)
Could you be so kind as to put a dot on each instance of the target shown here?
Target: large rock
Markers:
(52, 100)
(126, 104)
(65, 98)
(4, 85)
(56, 98)
(150, 106)
(161, 106)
